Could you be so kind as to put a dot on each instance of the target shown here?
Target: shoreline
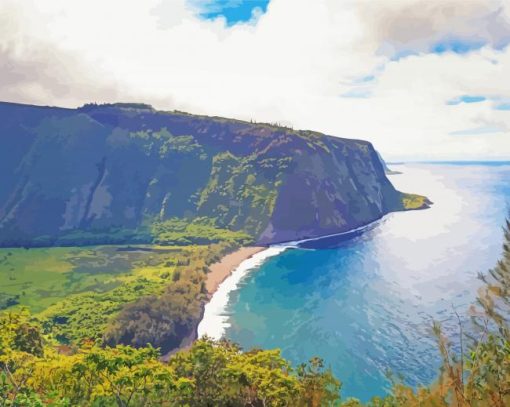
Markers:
(218, 273)
(230, 270)
(223, 269)
(228, 273)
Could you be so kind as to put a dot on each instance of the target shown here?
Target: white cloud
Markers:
(416, 25)
(296, 65)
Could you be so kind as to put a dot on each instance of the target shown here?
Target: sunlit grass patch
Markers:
(413, 201)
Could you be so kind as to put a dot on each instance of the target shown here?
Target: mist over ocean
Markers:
(365, 302)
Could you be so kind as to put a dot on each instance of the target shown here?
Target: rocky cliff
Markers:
(101, 169)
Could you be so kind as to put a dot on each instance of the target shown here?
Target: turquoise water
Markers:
(365, 303)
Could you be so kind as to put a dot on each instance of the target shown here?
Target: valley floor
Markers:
(79, 292)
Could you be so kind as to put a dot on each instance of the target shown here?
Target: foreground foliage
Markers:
(35, 373)
(35, 370)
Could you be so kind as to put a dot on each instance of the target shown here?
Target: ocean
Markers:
(365, 301)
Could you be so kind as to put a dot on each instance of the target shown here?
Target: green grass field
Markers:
(76, 291)
(40, 277)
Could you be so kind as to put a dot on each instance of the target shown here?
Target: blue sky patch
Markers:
(466, 99)
(477, 130)
(456, 46)
(364, 79)
(360, 93)
(502, 106)
(234, 11)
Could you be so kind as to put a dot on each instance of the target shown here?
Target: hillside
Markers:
(126, 173)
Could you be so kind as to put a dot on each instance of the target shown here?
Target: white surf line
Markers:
(313, 239)
(215, 322)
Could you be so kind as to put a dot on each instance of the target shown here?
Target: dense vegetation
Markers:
(172, 231)
(36, 370)
(163, 320)
(174, 289)
(33, 373)
(197, 231)
(123, 294)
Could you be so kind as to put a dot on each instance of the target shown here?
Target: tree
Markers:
(163, 320)
(21, 344)
(318, 385)
(488, 363)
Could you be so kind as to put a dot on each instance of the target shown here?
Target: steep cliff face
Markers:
(125, 166)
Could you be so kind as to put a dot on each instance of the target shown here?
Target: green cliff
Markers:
(126, 173)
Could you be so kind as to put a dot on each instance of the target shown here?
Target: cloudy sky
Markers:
(421, 79)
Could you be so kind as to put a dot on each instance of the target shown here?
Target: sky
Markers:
(420, 79)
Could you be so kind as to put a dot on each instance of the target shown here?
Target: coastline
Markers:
(220, 271)
(223, 278)
(225, 275)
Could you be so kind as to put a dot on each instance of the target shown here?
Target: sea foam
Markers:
(215, 321)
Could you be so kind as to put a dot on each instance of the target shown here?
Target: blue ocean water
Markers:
(365, 302)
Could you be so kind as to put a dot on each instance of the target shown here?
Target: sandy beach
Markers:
(225, 277)
(219, 271)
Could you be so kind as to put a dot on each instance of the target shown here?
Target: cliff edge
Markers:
(110, 171)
